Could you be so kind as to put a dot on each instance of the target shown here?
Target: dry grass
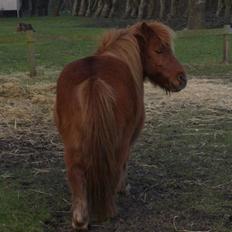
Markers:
(212, 95)
(23, 103)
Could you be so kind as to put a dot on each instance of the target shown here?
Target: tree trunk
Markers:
(106, 8)
(219, 7)
(162, 7)
(82, 8)
(54, 7)
(75, 7)
(94, 5)
(33, 5)
(186, 10)
(151, 8)
(89, 8)
(173, 8)
(68, 5)
(30, 6)
(196, 14)
(57, 8)
(142, 6)
(99, 8)
(227, 11)
(135, 6)
(128, 9)
(113, 8)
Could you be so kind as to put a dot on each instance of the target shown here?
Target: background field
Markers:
(180, 168)
(63, 39)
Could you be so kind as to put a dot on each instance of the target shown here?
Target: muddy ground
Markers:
(180, 168)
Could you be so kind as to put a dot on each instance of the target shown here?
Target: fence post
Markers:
(227, 31)
(31, 53)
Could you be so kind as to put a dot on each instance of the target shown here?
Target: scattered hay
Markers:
(11, 89)
(41, 99)
(22, 103)
(212, 95)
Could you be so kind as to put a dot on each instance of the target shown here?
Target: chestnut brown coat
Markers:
(99, 111)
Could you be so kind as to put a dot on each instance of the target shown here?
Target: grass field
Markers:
(64, 39)
(180, 168)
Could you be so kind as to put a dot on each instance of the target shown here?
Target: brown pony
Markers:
(100, 112)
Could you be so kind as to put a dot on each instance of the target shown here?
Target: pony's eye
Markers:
(160, 50)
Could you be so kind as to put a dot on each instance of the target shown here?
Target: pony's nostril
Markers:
(181, 78)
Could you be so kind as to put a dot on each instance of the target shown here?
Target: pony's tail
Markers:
(99, 140)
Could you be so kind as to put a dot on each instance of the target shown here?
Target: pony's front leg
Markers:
(77, 180)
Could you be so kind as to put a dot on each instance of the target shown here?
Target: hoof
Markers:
(125, 190)
(80, 226)
(79, 222)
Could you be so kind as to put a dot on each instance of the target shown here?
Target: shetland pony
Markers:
(99, 112)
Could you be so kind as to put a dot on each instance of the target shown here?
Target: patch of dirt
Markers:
(180, 168)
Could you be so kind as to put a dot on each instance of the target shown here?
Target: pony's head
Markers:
(159, 62)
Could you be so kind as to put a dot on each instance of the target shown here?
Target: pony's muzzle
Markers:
(182, 79)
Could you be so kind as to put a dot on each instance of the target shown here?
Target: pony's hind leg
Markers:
(77, 181)
(123, 186)
(80, 217)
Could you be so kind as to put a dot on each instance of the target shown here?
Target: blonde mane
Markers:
(122, 44)
(163, 32)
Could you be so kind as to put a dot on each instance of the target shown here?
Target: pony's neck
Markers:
(124, 47)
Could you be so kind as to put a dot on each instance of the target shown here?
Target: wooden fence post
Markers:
(227, 31)
(31, 53)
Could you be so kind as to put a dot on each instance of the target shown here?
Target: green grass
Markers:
(192, 166)
(61, 40)
(58, 41)
(198, 50)
(21, 210)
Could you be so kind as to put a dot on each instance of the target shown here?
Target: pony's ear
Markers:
(146, 30)
(141, 40)
(143, 34)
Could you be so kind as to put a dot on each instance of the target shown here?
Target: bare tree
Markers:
(162, 7)
(128, 8)
(106, 8)
(151, 8)
(173, 6)
(75, 7)
(196, 13)
(194, 10)
(227, 14)
(135, 8)
(99, 8)
(82, 8)
(226, 5)
(113, 8)
(142, 6)
(54, 7)
(89, 8)
(219, 7)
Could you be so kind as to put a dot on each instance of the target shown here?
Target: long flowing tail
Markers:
(99, 138)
